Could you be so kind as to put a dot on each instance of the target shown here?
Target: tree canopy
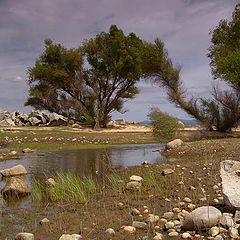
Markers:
(225, 50)
(89, 82)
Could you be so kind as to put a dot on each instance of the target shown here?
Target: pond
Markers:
(85, 161)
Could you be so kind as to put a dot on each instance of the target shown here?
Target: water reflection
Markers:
(85, 161)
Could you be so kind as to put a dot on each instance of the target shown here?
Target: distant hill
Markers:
(187, 122)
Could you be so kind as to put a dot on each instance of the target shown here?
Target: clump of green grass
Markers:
(149, 180)
(116, 183)
(69, 188)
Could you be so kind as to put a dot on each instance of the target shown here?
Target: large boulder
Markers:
(7, 122)
(202, 217)
(14, 171)
(173, 144)
(40, 115)
(230, 175)
(34, 121)
(57, 120)
(15, 187)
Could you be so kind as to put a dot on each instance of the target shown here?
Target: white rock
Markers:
(158, 236)
(169, 225)
(110, 231)
(206, 216)
(173, 144)
(128, 229)
(24, 236)
(70, 237)
(233, 232)
(187, 200)
(136, 178)
(230, 183)
(153, 218)
(44, 221)
(186, 235)
(227, 221)
(14, 171)
(173, 234)
(214, 231)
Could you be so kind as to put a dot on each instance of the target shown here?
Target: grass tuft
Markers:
(69, 188)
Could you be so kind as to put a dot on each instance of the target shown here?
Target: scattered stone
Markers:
(136, 178)
(191, 206)
(158, 236)
(216, 201)
(13, 153)
(230, 183)
(15, 187)
(169, 225)
(173, 144)
(146, 211)
(120, 205)
(215, 187)
(226, 221)
(202, 217)
(139, 225)
(153, 218)
(14, 171)
(233, 232)
(203, 199)
(168, 215)
(237, 216)
(173, 234)
(181, 183)
(24, 236)
(51, 182)
(110, 231)
(186, 235)
(128, 229)
(192, 188)
(218, 237)
(214, 231)
(44, 221)
(27, 150)
(135, 212)
(187, 200)
(70, 237)
(167, 171)
(134, 185)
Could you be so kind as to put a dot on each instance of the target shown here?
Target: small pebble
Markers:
(186, 235)
(110, 231)
(173, 234)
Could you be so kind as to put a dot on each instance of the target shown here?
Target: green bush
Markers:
(165, 127)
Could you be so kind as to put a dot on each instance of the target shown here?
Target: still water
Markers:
(86, 161)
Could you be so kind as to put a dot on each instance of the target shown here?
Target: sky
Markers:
(183, 25)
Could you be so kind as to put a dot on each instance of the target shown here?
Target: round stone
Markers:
(202, 217)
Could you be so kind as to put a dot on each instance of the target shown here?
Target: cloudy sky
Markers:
(183, 25)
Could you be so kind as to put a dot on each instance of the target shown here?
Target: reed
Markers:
(69, 188)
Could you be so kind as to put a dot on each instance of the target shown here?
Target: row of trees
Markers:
(89, 83)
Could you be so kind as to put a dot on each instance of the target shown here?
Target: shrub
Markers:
(165, 127)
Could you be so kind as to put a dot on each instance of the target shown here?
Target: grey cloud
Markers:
(182, 24)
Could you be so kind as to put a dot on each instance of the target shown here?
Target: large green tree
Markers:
(222, 112)
(225, 50)
(89, 82)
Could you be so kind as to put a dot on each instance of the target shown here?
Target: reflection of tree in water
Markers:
(82, 162)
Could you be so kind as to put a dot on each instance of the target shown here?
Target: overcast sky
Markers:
(183, 25)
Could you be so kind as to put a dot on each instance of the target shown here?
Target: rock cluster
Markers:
(34, 118)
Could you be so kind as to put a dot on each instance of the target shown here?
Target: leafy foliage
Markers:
(222, 112)
(225, 50)
(165, 127)
(89, 82)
